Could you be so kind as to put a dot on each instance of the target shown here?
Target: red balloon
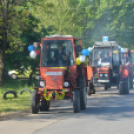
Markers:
(37, 52)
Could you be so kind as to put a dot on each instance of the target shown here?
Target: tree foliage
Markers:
(23, 22)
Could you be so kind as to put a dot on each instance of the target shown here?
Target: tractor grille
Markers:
(54, 81)
(103, 76)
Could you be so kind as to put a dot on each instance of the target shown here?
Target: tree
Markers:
(13, 22)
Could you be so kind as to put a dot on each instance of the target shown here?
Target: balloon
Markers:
(90, 49)
(32, 54)
(82, 58)
(30, 48)
(77, 61)
(37, 52)
(119, 47)
(85, 52)
(123, 50)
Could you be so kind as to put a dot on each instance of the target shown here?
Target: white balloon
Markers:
(32, 54)
(82, 58)
(119, 47)
(90, 49)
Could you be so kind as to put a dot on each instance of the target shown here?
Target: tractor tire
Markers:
(35, 102)
(126, 91)
(25, 90)
(106, 87)
(131, 83)
(10, 92)
(76, 101)
(90, 88)
(83, 97)
(121, 91)
(93, 91)
(44, 105)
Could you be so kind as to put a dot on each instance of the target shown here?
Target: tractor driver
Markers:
(60, 55)
(107, 58)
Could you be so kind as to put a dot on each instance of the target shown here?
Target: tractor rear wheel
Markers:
(127, 85)
(44, 105)
(90, 88)
(121, 88)
(76, 101)
(83, 97)
(106, 87)
(93, 91)
(131, 82)
(35, 102)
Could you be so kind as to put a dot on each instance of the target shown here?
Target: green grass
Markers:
(11, 104)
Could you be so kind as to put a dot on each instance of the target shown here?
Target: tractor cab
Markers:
(56, 52)
(106, 60)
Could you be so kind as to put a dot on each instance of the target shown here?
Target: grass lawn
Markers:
(22, 102)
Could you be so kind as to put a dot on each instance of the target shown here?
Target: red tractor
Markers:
(108, 69)
(128, 59)
(132, 60)
(60, 76)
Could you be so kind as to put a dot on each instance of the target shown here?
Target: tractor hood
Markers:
(55, 78)
(103, 70)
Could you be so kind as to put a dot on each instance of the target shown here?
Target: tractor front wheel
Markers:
(44, 104)
(83, 96)
(76, 101)
(35, 102)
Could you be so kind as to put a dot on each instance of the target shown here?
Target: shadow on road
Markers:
(107, 106)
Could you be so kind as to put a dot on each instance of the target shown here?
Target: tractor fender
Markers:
(124, 72)
(88, 72)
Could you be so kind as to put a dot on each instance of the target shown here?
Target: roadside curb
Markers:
(13, 115)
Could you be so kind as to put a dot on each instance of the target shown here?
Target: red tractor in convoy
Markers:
(132, 60)
(60, 76)
(128, 59)
(108, 68)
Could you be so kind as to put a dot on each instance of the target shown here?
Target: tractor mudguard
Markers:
(124, 72)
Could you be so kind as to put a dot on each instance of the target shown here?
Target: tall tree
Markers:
(14, 19)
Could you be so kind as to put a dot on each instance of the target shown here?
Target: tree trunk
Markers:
(3, 41)
(2, 65)
(31, 76)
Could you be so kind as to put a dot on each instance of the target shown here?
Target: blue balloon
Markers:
(30, 48)
(85, 52)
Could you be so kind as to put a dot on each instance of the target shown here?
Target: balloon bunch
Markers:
(82, 58)
(33, 49)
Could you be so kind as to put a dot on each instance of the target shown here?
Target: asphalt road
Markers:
(106, 113)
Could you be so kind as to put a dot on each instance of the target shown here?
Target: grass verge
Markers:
(11, 104)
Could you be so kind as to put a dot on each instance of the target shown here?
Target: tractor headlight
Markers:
(42, 83)
(66, 84)
(101, 75)
(106, 75)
